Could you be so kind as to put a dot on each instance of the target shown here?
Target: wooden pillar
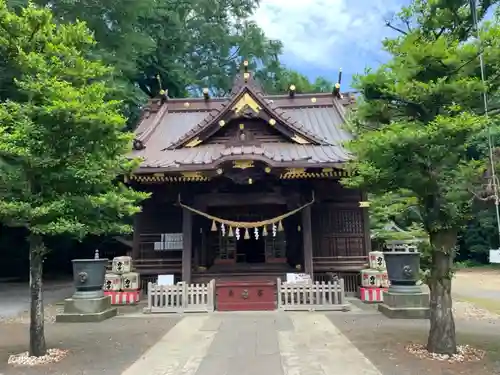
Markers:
(203, 248)
(187, 231)
(136, 237)
(307, 240)
(366, 225)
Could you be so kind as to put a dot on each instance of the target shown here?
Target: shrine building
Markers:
(246, 187)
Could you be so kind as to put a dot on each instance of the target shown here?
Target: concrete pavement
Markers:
(270, 343)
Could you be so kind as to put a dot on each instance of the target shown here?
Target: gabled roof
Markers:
(248, 96)
(317, 119)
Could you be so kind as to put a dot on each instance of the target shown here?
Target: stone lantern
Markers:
(88, 303)
(404, 298)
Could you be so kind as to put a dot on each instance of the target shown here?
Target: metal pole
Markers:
(485, 103)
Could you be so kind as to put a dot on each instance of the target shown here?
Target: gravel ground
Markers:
(383, 341)
(105, 348)
(469, 311)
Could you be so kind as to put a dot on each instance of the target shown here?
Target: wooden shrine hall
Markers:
(246, 187)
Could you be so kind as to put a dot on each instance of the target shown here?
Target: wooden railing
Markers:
(150, 247)
(352, 280)
(340, 263)
(310, 296)
(181, 298)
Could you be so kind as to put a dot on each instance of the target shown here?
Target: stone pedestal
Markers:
(84, 310)
(412, 304)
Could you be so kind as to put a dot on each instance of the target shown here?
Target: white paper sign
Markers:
(294, 278)
(165, 280)
(495, 256)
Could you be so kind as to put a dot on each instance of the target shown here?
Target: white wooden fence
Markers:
(310, 296)
(180, 298)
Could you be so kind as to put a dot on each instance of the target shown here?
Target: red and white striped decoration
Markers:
(124, 298)
(372, 294)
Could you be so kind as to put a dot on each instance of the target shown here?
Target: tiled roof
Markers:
(322, 117)
(274, 153)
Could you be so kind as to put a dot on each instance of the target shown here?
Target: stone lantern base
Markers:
(409, 305)
(85, 310)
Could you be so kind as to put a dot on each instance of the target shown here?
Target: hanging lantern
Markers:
(214, 226)
(231, 234)
(264, 230)
(256, 233)
(280, 227)
(247, 235)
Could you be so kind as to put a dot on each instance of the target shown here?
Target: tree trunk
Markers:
(37, 334)
(442, 338)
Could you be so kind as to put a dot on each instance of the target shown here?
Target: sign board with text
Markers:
(296, 278)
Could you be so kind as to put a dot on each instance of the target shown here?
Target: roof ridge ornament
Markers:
(246, 73)
(336, 88)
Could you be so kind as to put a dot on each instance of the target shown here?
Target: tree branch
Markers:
(389, 25)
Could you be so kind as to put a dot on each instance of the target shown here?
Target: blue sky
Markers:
(321, 36)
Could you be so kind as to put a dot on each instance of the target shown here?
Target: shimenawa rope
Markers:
(246, 224)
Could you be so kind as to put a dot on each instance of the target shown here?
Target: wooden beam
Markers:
(187, 231)
(366, 224)
(307, 241)
(227, 199)
(136, 235)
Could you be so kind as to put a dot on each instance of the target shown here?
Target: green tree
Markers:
(189, 44)
(417, 118)
(64, 138)
(277, 80)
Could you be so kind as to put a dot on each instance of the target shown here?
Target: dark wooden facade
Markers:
(248, 158)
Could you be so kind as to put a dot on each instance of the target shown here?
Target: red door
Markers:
(245, 295)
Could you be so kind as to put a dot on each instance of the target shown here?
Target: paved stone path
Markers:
(253, 343)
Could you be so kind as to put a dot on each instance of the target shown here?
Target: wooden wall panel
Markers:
(256, 129)
(157, 218)
(337, 231)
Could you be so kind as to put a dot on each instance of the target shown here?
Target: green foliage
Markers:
(278, 81)
(64, 141)
(419, 120)
(392, 209)
(190, 44)
(435, 72)
(479, 236)
(428, 159)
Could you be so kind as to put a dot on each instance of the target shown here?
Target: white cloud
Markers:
(326, 33)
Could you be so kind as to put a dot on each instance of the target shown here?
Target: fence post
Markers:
(150, 299)
(278, 293)
(185, 296)
(211, 296)
(342, 291)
